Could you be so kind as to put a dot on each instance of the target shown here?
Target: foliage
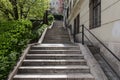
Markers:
(38, 32)
(50, 18)
(14, 35)
(20, 9)
(41, 29)
(16, 30)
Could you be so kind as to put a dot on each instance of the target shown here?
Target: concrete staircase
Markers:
(57, 58)
(57, 34)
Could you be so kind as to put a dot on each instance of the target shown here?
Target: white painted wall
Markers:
(109, 32)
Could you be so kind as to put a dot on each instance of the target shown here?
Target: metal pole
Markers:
(83, 34)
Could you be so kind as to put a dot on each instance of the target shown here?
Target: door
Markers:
(76, 26)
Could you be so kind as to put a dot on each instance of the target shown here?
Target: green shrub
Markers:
(14, 36)
(41, 29)
(38, 32)
(50, 18)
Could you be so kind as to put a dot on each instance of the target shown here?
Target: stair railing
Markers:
(83, 41)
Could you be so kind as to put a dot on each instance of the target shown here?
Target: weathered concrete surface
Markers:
(57, 58)
(94, 66)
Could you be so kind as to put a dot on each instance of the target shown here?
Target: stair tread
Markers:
(78, 75)
(55, 50)
(47, 60)
(56, 45)
(55, 67)
(55, 55)
(55, 41)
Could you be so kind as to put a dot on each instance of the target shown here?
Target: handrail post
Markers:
(83, 34)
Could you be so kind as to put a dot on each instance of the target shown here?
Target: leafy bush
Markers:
(38, 32)
(41, 29)
(14, 35)
(50, 18)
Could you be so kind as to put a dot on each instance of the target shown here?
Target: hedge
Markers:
(14, 36)
(50, 18)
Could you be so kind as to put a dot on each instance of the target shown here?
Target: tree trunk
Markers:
(45, 18)
(21, 12)
(15, 9)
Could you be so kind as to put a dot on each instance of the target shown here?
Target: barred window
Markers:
(95, 13)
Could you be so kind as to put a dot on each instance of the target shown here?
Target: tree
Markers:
(6, 9)
(20, 9)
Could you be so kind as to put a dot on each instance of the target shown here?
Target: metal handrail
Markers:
(83, 34)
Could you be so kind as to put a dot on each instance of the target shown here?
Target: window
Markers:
(76, 25)
(67, 12)
(53, 3)
(56, 3)
(95, 13)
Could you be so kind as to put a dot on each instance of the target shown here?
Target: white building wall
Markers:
(109, 32)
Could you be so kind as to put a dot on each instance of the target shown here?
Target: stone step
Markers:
(56, 41)
(53, 69)
(57, 32)
(54, 77)
(54, 52)
(57, 29)
(54, 48)
(54, 56)
(54, 35)
(55, 45)
(40, 62)
(58, 38)
(60, 28)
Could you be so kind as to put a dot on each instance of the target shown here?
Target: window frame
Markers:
(95, 13)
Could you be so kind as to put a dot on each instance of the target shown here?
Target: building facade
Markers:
(102, 18)
(56, 6)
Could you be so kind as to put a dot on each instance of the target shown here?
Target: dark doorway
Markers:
(76, 26)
